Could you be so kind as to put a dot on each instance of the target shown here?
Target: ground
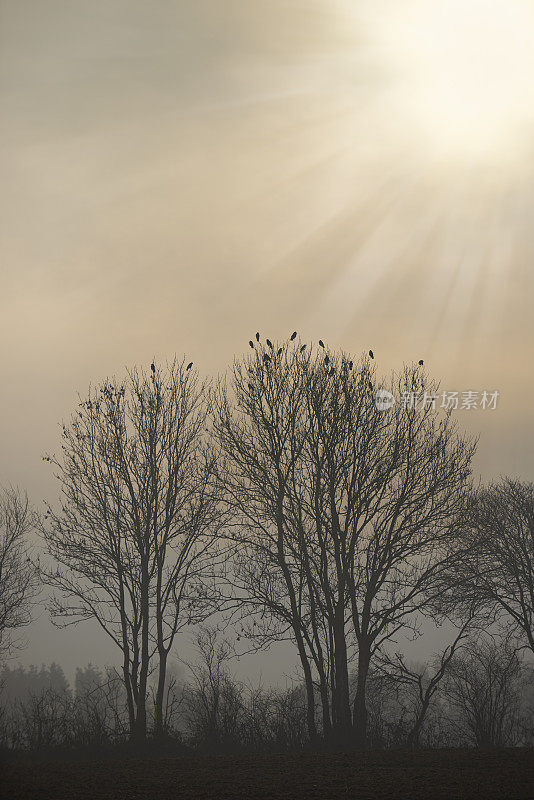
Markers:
(432, 775)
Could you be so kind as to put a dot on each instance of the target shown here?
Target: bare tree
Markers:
(213, 704)
(344, 512)
(274, 719)
(261, 427)
(388, 487)
(498, 560)
(99, 707)
(421, 682)
(18, 578)
(484, 690)
(135, 539)
(222, 713)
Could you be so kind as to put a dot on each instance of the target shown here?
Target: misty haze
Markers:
(266, 476)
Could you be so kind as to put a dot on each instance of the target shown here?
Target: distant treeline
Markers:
(486, 700)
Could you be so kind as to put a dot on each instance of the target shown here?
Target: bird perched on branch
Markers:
(269, 343)
(153, 367)
(251, 343)
(189, 366)
(321, 343)
(257, 337)
(280, 351)
(421, 362)
(293, 335)
(371, 354)
(303, 348)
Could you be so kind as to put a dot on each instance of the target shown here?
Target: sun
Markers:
(462, 72)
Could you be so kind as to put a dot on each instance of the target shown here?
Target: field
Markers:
(436, 775)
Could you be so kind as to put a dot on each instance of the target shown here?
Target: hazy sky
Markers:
(179, 174)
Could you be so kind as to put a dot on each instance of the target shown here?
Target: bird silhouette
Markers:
(153, 367)
(189, 366)
(321, 343)
(303, 348)
(293, 335)
(257, 337)
(421, 362)
(371, 354)
(269, 343)
(251, 343)
(280, 351)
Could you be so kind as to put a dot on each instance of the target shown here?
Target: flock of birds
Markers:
(293, 336)
(267, 357)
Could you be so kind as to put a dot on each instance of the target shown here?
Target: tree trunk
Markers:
(160, 694)
(310, 695)
(325, 706)
(360, 706)
(129, 697)
(341, 699)
(141, 718)
(308, 679)
(413, 736)
(126, 673)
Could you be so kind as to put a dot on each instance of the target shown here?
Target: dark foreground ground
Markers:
(447, 774)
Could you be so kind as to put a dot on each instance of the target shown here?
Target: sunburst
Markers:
(442, 121)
